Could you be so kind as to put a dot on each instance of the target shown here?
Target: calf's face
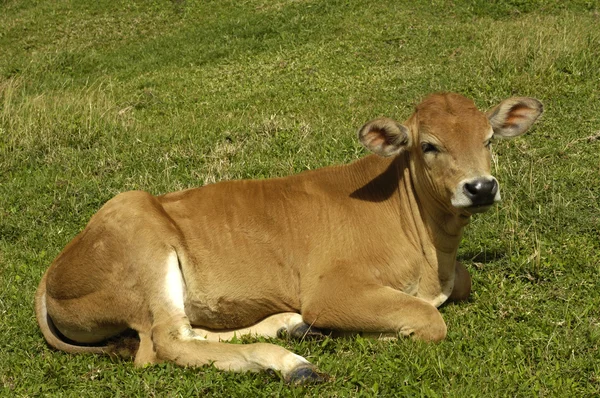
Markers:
(448, 141)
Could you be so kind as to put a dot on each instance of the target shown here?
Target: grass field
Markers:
(100, 97)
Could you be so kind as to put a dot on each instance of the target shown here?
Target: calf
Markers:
(364, 247)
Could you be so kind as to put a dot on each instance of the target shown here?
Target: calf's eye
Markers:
(429, 148)
(488, 144)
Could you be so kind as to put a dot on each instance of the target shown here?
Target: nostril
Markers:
(494, 188)
(473, 189)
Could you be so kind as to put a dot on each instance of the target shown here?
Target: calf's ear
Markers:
(514, 116)
(384, 136)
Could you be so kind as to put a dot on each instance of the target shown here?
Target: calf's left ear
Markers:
(514, 116)
(384, 136)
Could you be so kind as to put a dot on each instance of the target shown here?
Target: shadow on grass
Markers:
(484, 256)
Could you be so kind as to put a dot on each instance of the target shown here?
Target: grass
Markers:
(102, 97)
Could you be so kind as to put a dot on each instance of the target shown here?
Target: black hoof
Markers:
(303, 331)
(305, 375)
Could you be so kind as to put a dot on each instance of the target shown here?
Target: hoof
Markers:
(303, 331)
(304, 375)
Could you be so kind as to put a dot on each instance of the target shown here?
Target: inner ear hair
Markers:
(514, 116)
(384, 136)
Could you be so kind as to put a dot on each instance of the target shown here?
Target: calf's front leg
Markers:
(462, 284)
(373, 309)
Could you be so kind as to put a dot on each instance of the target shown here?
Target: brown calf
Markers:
(369, 246)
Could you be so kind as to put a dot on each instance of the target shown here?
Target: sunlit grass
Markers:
(101, 97)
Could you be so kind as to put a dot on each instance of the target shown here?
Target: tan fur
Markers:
(369, 247)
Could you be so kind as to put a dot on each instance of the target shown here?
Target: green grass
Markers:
(102, 97)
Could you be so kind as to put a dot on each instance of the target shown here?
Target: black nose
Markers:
(481, 191)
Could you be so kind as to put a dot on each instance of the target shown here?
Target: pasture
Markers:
(97, 98)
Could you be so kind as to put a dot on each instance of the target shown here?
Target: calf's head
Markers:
(448, 141)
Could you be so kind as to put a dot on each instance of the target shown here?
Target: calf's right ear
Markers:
(384, 136)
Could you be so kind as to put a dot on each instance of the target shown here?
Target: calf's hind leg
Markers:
(174, 340)
(278, 325)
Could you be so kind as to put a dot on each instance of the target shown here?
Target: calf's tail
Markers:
(51, 333)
